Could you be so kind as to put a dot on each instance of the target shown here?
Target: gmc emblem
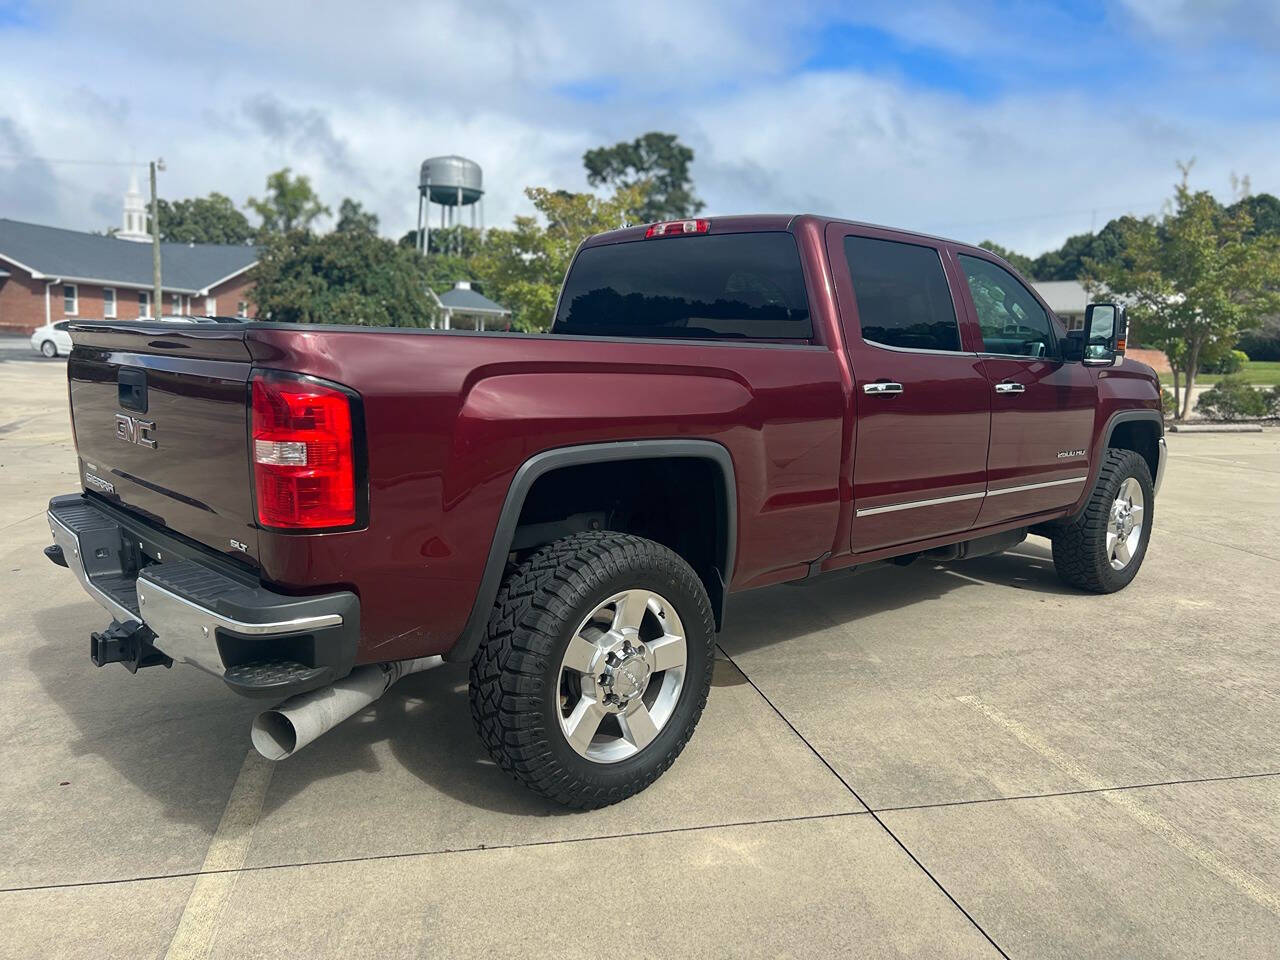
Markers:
(134, 430)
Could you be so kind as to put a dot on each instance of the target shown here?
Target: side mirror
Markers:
(1102, 341)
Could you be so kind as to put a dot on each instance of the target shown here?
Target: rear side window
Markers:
(902, 293)
(736, 285)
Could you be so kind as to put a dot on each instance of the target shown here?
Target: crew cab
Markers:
(719, 405)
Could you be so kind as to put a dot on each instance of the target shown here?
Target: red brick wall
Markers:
(228, 296)
(22, 301)
(1155, 359)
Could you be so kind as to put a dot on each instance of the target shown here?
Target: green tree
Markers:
(1264, 342)
(1263, 209)
(351, 277)
(523, 267)
(354, 218)
(1021, 262)
(450, 255)
(1195, 279)
(211, 219)
(1070, 261)
(290, 204)
(657, 164)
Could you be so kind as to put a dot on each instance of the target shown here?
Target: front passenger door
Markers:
(1042, 408)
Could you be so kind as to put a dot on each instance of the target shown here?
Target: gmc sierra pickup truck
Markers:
(309, 512)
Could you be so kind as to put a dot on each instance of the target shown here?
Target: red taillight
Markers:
(676, 228)
(303, 454)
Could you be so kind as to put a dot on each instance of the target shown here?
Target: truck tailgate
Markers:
(160, 416)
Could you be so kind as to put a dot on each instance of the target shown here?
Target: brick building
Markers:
(51, 274)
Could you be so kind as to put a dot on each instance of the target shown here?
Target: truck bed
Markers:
(449, 419)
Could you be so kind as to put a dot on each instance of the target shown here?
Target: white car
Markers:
(52, 339)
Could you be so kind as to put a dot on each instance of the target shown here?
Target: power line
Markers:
(84, 163)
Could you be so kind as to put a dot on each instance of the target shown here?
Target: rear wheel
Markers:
(595, 667)
(1101, 549)
(49, 348)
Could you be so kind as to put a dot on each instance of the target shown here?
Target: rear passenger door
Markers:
(1042, 407)
(922, 401)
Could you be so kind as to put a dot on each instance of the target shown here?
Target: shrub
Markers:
(1272, 398)
(1232, 361)
(1264, 342)
(1168, 403)
(1230, 398)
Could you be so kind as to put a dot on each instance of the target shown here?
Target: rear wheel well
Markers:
(680, 502)
(1140, 436)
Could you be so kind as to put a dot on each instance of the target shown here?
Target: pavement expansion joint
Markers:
(883, 826)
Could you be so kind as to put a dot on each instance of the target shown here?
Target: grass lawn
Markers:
(1261, 373)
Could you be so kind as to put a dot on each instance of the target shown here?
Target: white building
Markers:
(134, 224)
(1066, 298)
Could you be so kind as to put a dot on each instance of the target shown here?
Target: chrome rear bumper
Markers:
(200, 614)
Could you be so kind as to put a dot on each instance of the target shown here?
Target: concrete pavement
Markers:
(968, 760)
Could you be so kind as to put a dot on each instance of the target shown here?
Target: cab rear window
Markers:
(746, 286)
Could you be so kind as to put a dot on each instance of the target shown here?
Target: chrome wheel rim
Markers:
(1124, 525)
(621, 676)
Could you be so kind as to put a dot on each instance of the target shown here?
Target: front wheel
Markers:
(48, 348)
(1101, 549)
(595, 668)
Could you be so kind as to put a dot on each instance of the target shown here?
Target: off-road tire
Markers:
(1080, 544)
(515, 673)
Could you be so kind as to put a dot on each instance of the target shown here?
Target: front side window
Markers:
(70, 299)
(902, 294)
(730, 286)
(1013, 322)
(108, 303)
(64, 325)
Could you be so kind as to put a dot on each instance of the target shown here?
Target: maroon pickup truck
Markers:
(309, 512)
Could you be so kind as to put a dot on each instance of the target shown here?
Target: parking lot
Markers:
(966, 760)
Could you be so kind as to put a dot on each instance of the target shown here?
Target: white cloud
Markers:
(1203, 21)
(357, 97)
(1025, 170)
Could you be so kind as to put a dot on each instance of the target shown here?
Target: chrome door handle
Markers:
(1010, 388)
(881, 388)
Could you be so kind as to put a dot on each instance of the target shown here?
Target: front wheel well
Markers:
(1140, 436)
(679, 502)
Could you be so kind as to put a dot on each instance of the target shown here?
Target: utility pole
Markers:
(157, 291)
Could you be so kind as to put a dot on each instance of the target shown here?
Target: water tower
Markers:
(452, 182)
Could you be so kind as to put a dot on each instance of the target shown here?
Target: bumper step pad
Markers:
(267, 677)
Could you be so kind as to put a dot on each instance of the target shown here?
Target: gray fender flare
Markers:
(1117, 418)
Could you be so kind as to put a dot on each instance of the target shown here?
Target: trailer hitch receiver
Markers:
(128, 643)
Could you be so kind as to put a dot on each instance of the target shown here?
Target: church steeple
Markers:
(134, 226)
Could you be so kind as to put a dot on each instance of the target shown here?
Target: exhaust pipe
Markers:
(284, 730)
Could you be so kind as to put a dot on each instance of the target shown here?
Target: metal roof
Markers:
(462, 299)
(87, 257)
(1063, 296)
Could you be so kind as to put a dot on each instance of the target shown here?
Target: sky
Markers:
(1017, 122)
